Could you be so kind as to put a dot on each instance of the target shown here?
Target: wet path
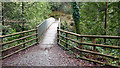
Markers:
(47, 53)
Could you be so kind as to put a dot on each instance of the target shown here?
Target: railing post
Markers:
(57, 35)
(59, 23)
(94, 41)
(94, 47)
(66, 40)
(37, 35)
(81, 46)
(81, 42)
(1, 46)
(23, 40)
(58, 32)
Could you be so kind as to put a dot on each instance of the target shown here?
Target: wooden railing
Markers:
(79, 50)
(22, 38)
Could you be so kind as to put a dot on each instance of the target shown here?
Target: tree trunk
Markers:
(105, 22)
(3, 30)
(23, 16)
(76, 16)
(119, 19)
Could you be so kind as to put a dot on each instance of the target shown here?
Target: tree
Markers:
(2, 18)
(105, 26)
(76, 16)
(119, 18)
(21, 16)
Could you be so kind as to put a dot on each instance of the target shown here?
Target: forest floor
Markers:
(47, 53)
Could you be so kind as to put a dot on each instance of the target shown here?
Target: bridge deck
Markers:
(47, 53)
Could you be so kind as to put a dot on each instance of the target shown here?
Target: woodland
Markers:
(84, 18)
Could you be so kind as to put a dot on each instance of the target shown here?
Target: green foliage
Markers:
(34, 14)
(55, 6)
(61, 6)
(1, 29)
(56, 14)
(76, 16)
(92, 19)
(88, 19)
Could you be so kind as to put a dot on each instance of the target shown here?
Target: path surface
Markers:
(47, 53)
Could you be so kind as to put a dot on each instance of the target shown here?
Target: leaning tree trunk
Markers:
(23, 16)
(105, 26)
(76, 16)
(118, 29)
(119, 18)
(3, 30)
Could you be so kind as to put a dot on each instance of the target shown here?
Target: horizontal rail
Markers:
(18, 33)
(13, 21)
(92, 52)
(82, 57)
(18, 50)
(18, 45)
(91, 60)
(97, 53)
(91, 44)
(91, 36)
(19, 39)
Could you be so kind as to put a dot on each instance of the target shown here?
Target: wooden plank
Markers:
(18, 45)
(91, 44)
(94, 42)
(18, 51)
(92, 52)
(66, 40)
(1, 41)
(91, 36)
(94, 47)
(57, 35)
(81, 42)
(83, 57)
(1, 46)
(90, 60)
(18, 33)
(19, 39)
(97, 53)
(95, 61)
(24, 40)
(11, 21)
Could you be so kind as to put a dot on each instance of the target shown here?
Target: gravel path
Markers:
(47, 53)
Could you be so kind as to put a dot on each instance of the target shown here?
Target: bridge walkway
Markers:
(46, 53)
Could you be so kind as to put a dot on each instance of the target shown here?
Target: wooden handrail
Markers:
(94, 44)
(22, 43)
(23, 39)
(13, 21)
(18, 33)
(18, 45)
(91, 44)
(87, 59)
(18, 50)
(92, 52)
(19, 39)
(91, 36)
